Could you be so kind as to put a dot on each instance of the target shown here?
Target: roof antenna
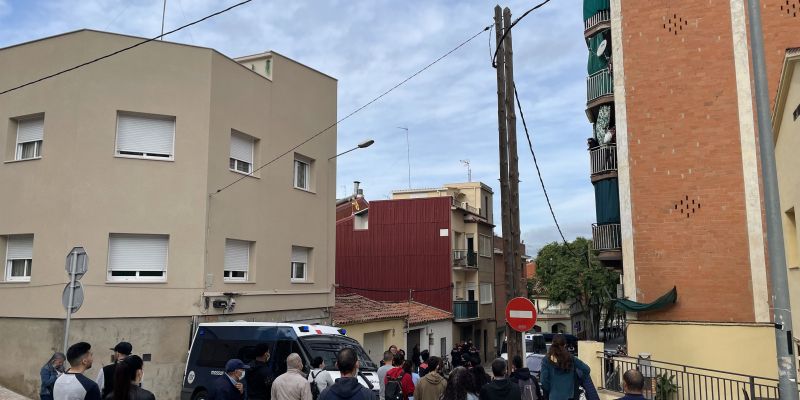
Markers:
(163, 14)
(408, 154)
(469, 170)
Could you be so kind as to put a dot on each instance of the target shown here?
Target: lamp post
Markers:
(361, 145)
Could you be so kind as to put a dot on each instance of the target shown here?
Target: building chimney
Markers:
(356, 190)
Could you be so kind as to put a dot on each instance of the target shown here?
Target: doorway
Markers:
(413, 339)
(374, 346)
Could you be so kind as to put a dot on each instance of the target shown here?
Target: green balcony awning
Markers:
(606, 201)
(597, 63)
(664, 301)
(591, 7)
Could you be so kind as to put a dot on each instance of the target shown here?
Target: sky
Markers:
(450, 110)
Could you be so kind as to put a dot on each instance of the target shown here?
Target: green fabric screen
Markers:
(606, 201)
(596, 63)
(664, 301)
(591, 7)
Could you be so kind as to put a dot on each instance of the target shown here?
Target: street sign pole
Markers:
(71, 297)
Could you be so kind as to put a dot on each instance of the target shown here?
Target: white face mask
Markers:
(241, 376)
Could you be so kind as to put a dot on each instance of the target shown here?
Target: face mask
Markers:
(241, 376)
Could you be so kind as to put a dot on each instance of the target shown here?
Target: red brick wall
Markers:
(683, 138)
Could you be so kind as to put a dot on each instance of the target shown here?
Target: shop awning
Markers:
(591, 7)
(664, 301)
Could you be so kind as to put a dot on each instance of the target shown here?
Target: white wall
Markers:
(436, 330)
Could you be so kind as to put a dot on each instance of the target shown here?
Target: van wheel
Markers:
(201, 395)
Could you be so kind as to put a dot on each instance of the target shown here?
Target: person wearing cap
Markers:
(260, 376)
(292, 385)
(230, 385)
(105, 378)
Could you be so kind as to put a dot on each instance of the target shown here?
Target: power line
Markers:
(355, 111)
(123, 49)
(507, 30)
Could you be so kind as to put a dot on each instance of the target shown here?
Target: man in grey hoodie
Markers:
(347, 387)
(432, 385)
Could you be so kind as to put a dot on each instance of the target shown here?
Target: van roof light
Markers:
(303, 328)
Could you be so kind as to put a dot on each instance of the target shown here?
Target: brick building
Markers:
(682, 169)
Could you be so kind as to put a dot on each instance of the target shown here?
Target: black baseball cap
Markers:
(123, 348)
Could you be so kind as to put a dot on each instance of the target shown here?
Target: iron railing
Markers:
(688, 383)
(597, 19)
(604, 159)
(465, 309)
(599, 84)
(464, 205)
(606, 237)
(465, 258)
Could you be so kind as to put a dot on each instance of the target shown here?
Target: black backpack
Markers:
(314, 386)
(394, 388)
(529, 388)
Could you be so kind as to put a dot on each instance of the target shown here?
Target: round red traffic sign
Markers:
(520, 314)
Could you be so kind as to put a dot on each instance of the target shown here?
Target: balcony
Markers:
(597, 22)
(607, 240)
(465, 310)
(465, 206)
(465, 259)
(603, 162)
(599, 88)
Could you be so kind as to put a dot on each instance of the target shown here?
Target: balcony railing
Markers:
(599, 84)
(691, 383)
(606, 237)
(465, 258)
(597, 19)
(604, 159)
(464, 205)
(465, 309)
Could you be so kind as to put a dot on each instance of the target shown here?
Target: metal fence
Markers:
(603, 158)
(600, 17)
(465, 258)
(464, 309)
(606, 237)
(665, 380)
(599, 84)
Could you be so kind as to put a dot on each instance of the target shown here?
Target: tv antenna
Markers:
(469, 170)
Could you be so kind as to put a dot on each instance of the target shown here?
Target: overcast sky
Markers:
(369, 46)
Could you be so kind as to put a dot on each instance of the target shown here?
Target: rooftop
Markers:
(353, 308)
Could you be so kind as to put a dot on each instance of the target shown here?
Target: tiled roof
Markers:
(353, 308)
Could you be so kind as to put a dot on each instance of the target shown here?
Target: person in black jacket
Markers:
(524, 379)
(259, 378)
(229, 386)
(127, 378)
(500, 388)
(347, 387)
(105, 378)
(479, 375)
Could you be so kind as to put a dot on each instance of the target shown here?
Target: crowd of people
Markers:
(562, 377)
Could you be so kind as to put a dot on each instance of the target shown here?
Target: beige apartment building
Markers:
(126, 158)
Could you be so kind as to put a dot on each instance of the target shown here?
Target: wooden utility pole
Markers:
(512, 337)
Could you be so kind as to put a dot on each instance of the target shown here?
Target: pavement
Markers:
(6, 394)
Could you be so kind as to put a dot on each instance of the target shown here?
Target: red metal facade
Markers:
(402, 249)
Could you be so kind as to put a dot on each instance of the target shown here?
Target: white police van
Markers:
(216, 343)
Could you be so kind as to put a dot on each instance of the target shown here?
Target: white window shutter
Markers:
(237, 255)
(137, 252)
(242, 147)
(145, 134)
(300, 254)
(30, 130)
(20, 247)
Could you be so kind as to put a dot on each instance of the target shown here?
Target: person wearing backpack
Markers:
(522, 377)
(561, 372)
(398, 385)
(318, 378)
(347, 387)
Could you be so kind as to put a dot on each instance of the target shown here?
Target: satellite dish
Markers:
(601, 48)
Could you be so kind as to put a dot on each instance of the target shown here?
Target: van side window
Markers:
(282, 350)
(214, 353)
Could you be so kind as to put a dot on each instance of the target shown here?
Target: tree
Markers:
(567, 277)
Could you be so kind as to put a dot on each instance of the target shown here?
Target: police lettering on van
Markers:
(215, 343)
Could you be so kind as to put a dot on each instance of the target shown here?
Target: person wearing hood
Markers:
(50, 372)
(524, 379)
(432, 385)
(347, 387)
(501, 388)
(560, 370)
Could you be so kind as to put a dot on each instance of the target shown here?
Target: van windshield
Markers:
(328, 346)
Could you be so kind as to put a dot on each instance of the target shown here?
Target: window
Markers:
(30, 134)
(485, 246)
(147, 136)
(137, 257)
(237, 260)
(300, 263)
(242, 149)
(302, 174)
(19, 257)
(361, 221)
(486, 293)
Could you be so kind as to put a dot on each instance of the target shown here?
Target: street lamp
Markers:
(361, 145)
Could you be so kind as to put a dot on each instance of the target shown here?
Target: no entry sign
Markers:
(520, 314)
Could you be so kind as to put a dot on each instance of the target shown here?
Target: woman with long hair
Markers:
(460, 386)
(50, 371)
(127, 378)
(561, 371)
